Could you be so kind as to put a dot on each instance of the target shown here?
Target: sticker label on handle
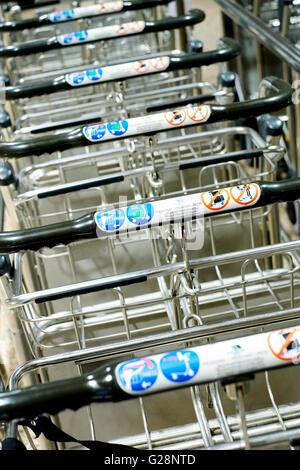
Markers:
(244, 194)
(117, 72)
(207, 363)
(85, 12)
(138, 375)
(97, 34)
(285, 344)
(166, 211)
(150, 123)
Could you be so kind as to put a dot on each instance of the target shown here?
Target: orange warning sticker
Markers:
(121, 28)
(175, 118)
(285, 344)
(160, 63)
(116, 6)
(141, 66)
(199, 113)
(245, 194)
(215, 200)
(137, 26)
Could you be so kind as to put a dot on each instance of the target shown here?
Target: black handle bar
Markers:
(97, 9)
(259, 194)
(228, 50)
(28, 4)
(152, 124)
(115, 381)
(103, 33)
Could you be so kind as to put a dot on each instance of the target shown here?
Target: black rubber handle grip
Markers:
(282, 98)
(48, 235)
(53, 397)
(43, 45)
(128, 5)
(228, 50)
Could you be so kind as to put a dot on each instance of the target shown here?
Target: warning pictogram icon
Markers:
(245, 194)
(285, 344)
(175, 118)
(215, 200)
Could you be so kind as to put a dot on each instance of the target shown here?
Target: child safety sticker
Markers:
(84, 12)
(95, 133)
(180, 366)
(137, 375)
(110, 220)
(285, 344)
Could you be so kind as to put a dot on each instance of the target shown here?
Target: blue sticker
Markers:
(69, 38)
(76, 78)
(110, 220)
(117, 128)
(95, 133)
(61, 15)
(140, 214)
(180, 366)
(94, 75)
(137, 375)
(68, 14)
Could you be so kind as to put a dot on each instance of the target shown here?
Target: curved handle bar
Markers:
(102, 33)
(152, 124)
(28, 4)
(116, 381)
(102, 9)
(228, 50)
(226, 200)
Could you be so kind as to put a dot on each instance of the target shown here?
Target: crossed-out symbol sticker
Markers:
(160, 63)
(285, 344)
(198, 114)
(215, 200)
(175, 118)
(245, 194)
(142, 66)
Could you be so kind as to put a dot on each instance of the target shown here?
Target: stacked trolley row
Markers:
(156, 227)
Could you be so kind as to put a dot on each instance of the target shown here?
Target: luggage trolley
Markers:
(241, 282)
(225, 359)
(104, 44)
(66, 19)
(130, 156)
(116, 254)
(113, 92)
